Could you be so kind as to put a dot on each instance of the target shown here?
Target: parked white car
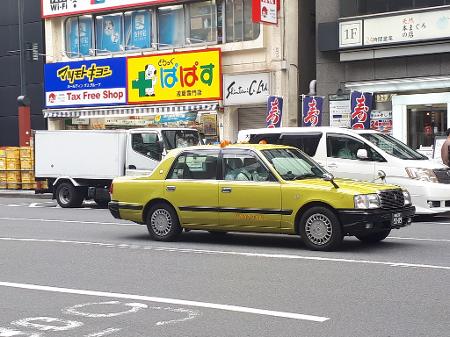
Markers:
(367, 155)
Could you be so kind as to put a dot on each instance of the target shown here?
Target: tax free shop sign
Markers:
(85, 83)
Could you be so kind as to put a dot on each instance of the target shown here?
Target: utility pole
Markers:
(23, 100)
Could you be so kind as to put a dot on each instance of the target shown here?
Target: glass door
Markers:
(425, 122)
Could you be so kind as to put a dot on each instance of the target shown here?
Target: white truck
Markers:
(81, 164)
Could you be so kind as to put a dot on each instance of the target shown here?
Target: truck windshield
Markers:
(393, 146)
(180, 138)
(291, 164)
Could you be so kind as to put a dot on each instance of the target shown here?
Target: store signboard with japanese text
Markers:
(340, 113)
(381, 121)
(52, 8)
(85, 83)
(382, 30)
(265, 11)
(246, 89)
(312, 110)
(274, 112)
(184, 76)
(361, 107)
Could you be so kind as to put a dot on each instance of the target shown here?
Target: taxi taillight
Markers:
(111, 188)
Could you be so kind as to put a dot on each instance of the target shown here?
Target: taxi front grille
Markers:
(392, 199)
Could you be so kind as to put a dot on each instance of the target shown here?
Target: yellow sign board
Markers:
(184, 76)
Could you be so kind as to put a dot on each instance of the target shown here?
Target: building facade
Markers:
(399, 51)
(10, 78)
(205, 64)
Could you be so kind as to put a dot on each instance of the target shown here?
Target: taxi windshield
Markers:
(291, 164)
(393, 146)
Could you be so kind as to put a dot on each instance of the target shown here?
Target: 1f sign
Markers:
(350, 34)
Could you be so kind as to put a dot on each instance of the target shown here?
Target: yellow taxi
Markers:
(258, 188)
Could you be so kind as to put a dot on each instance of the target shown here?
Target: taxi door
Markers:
(192, 187)
(249, 195)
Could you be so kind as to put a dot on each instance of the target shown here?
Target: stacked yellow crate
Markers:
(13, 176)
(2, 168)
(27, 168)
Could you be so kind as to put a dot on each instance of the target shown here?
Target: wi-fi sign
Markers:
(74, 3)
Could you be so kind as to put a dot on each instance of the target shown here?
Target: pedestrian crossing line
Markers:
(233, 253)
(181, 302)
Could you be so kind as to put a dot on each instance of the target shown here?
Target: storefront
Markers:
(180, 89)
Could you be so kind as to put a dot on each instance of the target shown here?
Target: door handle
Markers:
(332, 165)
(171, 188)
(226, 189)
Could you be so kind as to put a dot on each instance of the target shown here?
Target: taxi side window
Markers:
(195, 166)
(345, 147)
(245, 167)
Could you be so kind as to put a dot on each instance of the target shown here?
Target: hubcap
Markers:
(318, 229)
(64, 195)
(161, 222)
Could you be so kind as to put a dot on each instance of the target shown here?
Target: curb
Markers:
(23, 194)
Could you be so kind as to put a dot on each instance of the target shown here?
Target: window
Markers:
(308, 143)
(345, 147)
(202, 22)
(244, 167)
(238, 21)
(79, 36)
(202, 166)
(180, 138)
(109, 33)
(146, 144)
(138, 30)
(171, 29)
(393, 146)
(291, 164)
(178, 25)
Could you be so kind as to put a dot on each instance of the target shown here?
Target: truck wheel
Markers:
(374, 237)
(67, 196)
(320, 229)
(162, 223)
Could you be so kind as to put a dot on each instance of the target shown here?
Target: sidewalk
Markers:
(23, 194)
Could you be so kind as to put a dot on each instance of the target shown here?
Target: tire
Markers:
(320, 229)
(103, 203)
(374, 237)
(162, 223)
(68, 196)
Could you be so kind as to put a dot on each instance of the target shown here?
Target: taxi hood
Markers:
(347, 186)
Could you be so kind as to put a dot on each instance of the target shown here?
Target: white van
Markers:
(367, 155)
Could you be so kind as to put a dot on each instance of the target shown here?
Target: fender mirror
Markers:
(329, 177)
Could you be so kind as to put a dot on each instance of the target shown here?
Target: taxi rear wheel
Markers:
(162, 223)
(374, 237)
(320, 229)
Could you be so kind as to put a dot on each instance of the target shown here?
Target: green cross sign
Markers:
(141, 84)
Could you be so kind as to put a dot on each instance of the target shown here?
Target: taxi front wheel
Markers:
(320, 229)
(162, 223)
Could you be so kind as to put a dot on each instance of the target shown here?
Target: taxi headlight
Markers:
(422, 174)
(367, 201)
(407, 197)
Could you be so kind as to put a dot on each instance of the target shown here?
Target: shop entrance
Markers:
(424, 123)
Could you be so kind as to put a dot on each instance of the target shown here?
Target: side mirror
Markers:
(362, 154)
(329, 177)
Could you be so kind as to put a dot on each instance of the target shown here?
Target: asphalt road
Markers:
(82, 273)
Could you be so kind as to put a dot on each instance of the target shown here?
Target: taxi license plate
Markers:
(397, 219)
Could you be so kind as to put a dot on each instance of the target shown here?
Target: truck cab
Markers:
(146, 147)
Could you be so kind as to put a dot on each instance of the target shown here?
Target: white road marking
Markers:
(74, 310)
(224, 307)
(103, 333)
(416, 239)
(72, 221)
(233, 253)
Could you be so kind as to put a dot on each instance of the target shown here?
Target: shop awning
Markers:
(127, 111)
